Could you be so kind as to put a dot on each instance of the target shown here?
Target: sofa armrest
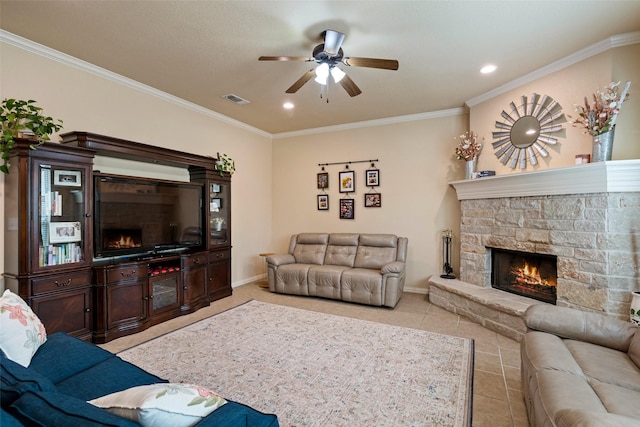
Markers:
(396, 267)
(280, 259)
(580, 325)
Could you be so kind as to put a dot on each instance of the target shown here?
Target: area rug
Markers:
(315, 369)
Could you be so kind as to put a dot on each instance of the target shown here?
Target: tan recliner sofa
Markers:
(580, 369)
(361, 268)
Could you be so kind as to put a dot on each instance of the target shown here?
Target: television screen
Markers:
(140, 215)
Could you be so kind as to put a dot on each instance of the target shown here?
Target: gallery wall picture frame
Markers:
(373, 177)
(372, 200)
(347, 181)
(347, 209)
(65, 178)
(64, 232)
(323, 180)
(323, 202)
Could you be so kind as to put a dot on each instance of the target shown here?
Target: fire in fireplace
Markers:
(523, 273)
(122, 238)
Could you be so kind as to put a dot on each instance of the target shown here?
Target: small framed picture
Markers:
(215, 188)
(347, 182)
(323, 202)
(373, 177)
(372, 200)
(67, 178)
(323, 180)
(64, 232)
(347, 208)
(217, 203)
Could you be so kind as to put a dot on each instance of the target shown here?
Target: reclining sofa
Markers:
(360, 268)
(580, 369)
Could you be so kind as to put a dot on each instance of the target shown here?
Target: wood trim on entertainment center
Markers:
(101, 299)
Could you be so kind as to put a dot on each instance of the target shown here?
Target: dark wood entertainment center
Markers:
(49, 242)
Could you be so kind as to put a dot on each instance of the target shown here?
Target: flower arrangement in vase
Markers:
(224, 163)
(599, 116)
(468, 149)
(217, 223)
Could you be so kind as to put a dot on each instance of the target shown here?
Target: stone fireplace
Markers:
(522, 273)
(587, 217)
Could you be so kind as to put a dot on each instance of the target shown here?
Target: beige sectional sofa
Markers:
(580, 369)
(361, 268)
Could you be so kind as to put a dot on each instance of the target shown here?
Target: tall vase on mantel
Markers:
(635, 307)
(602, 146)
(470, 168)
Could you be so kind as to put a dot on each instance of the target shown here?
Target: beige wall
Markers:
(416, 162)
(87, 102)
(568, 87)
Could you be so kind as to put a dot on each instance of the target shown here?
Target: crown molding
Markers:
(596, 48)
(63, 58)
(377, 122)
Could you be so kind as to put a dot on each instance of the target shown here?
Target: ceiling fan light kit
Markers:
(328, 55)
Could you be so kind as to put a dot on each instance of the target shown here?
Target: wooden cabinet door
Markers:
(127, 304)
(70, 311)
(195, 286)
(219, 274)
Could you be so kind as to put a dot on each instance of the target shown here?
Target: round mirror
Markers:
(525, 131)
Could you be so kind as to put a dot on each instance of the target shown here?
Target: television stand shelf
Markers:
(51, 255)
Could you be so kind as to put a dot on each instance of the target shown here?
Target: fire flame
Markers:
(123, 242)
(529, 274)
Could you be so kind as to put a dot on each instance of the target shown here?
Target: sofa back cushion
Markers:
(342, 249)
(310, 248)
(376, 250)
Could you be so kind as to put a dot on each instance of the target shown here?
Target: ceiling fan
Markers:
(328, 55)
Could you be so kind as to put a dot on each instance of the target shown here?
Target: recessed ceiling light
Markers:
(288, 105)
(489, 68)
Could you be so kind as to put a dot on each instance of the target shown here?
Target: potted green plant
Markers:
(23, 119)
(225, 163)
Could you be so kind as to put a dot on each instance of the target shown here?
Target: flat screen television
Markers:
(137, 216)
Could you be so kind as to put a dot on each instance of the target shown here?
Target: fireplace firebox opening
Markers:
(523, 273)
(121, 238)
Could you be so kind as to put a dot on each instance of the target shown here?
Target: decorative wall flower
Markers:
(469, 147)
(599, 116)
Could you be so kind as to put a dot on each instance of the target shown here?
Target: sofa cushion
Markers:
(376, 250)
(634, 349)
(114, 375)
(234, 414)
(55, 409)
(618, 400)
(8, 420)
(292, 279)
(341, 249)
(583, 418)
(15, 380)
(176, 405)
(310, 248)
(545, 351)
(63, 356)
(362, 285)
(324, 280)
(618, 368)
(21, 331)
(560, 390)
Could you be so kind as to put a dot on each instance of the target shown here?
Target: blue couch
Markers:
(66, 372)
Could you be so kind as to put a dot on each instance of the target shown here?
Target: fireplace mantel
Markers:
(602, 177)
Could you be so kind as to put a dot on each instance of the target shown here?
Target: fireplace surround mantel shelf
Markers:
(602, 177)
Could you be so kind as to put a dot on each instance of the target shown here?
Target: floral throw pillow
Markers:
(21, 332)
(164, 404)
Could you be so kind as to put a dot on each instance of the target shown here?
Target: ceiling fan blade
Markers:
(301, 81)
(385, 64)
(332, 42)
(285, 58)
(348, 85)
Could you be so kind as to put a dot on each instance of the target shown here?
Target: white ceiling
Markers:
(202, 50)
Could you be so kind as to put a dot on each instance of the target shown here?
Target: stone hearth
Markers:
(586, 215)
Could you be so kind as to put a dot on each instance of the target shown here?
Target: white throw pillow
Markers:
(21, 332)
(163, 404)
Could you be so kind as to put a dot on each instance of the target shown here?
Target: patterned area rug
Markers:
(315, 369)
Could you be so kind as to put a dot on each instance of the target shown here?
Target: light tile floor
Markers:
(497, 395)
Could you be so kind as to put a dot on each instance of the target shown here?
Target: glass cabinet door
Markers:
(219, 213)
(61, 215)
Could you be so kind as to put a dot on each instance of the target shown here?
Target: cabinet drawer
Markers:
(60, 282)
(219, 255)
(195, 260)
(126, 273)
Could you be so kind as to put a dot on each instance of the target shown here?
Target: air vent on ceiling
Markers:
(235, 98)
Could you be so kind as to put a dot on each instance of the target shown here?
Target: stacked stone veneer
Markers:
(595, 236)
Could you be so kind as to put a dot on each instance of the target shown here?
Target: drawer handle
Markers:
(128, 274)
(196, 260)
(58, 284)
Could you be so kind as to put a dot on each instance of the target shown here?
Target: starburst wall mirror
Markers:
(527, 130)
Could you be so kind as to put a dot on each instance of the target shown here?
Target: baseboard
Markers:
(249, 280)
(416, 290)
